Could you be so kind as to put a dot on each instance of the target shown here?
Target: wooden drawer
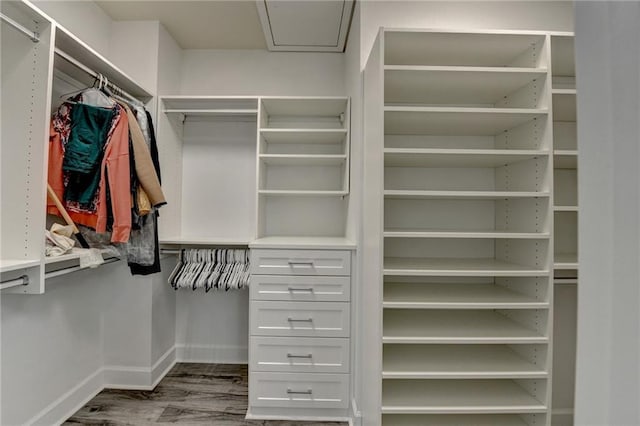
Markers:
(299, 354)
(294, 390)
(300, 288)
(300, 262)
(306, 319)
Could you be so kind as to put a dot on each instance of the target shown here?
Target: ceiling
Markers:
(277, 25)
(213, 24)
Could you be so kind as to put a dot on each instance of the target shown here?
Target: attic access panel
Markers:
(305, 25)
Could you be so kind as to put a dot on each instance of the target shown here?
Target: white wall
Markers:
(608, 84)
(259, 72)
(83, 18)
(516, 15)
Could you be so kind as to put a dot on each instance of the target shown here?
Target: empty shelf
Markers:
(468, 195)
(318, 243)
(564, 107)
(565, 159)
(457, 396)
(214, 112)
(487, 233)
(454, 120)
(298, 193)
(312, 136)
(399, 157)
(565, 208)
(455, 326)
(452, 420)
(455, 85)
(302, 160)
(455, 296)
(456, 362)
(7, 265)
(321, 107)
(396, 266)
(562, 91)
(565, 261)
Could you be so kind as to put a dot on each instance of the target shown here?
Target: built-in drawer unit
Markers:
(299, 354)
(290, 390)
(300, 288)
(302, 319)
(300, 262)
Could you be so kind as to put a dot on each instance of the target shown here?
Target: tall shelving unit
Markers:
(566, 208)
(467, 226)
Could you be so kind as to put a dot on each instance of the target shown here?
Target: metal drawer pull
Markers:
(300, 356)
(299, 319)
(292, 392)
(306, 290)
(300, 262)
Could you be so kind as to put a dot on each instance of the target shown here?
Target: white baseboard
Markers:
(213, 354)
(356, 415)
(139, 378)
(70, 402)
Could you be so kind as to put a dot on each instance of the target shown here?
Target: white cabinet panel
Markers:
(300, 262)
(312, 319)
(294, 354)
(299, 390)
(300, 288)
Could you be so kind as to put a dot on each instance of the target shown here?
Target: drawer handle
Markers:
(293, 392)
(301, 290)
(301, 262)
(309, 356)
(300, 319)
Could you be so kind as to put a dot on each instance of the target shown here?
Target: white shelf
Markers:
(315, 136)
(213, 112)
(453, 420)
(457, 396)
(458, 121)
(302, 160)
(559, 91)
(405, 157)
(565, 261)
(300, 193)
(456, 362)
(564, 107)
(455, 85)
(488, 233)
(565, 208)
(456, 296)
(565, 159)
(8, 265)
(305, 107)
(455, 327)
(205, 241)
(468, 195)
(394, 266)
(490, 49)
(565, 281)
(317, 243)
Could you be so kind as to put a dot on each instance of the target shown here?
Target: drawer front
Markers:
(299, 354)
(300, 288)
(293, 390)
(303, 319)
(300, 262)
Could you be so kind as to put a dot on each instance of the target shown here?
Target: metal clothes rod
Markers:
(23, 280)
(33, 36)
(70, 269)
(95, 74)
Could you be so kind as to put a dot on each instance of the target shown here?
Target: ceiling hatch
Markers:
(305, 25)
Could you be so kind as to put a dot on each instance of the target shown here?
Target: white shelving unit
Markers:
(303, 166)
(465, 137)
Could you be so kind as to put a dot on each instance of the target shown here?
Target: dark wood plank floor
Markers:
(191, 394)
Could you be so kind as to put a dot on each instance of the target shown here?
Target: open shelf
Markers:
(564, 107)
(457, 396)
(318, 243)
(404, 157)
(454, 326)
(565, 208)
(316, 136)
(456, 296)
(302, 160)
(444, 48)
(8, 265)
(394, 266)
(456, 362)
(560, 91)
(453, 420)
(442, 85)
(565, 159)
(455, 120)
(469, 195)
(487, 233)
(250, 113)
(565, 261)
(301, 193)
(204, 241)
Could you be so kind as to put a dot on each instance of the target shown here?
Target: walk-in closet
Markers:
(322, 213)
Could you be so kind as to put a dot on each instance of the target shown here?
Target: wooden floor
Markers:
(191, 394)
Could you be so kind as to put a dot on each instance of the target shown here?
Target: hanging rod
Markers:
(73, 61)
(22, 280)
(33, 36)
(70, 269)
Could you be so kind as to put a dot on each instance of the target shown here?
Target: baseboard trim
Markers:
(213, 354)
(139, 378)
(356, 415)
(70, 402)
(163, 366)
